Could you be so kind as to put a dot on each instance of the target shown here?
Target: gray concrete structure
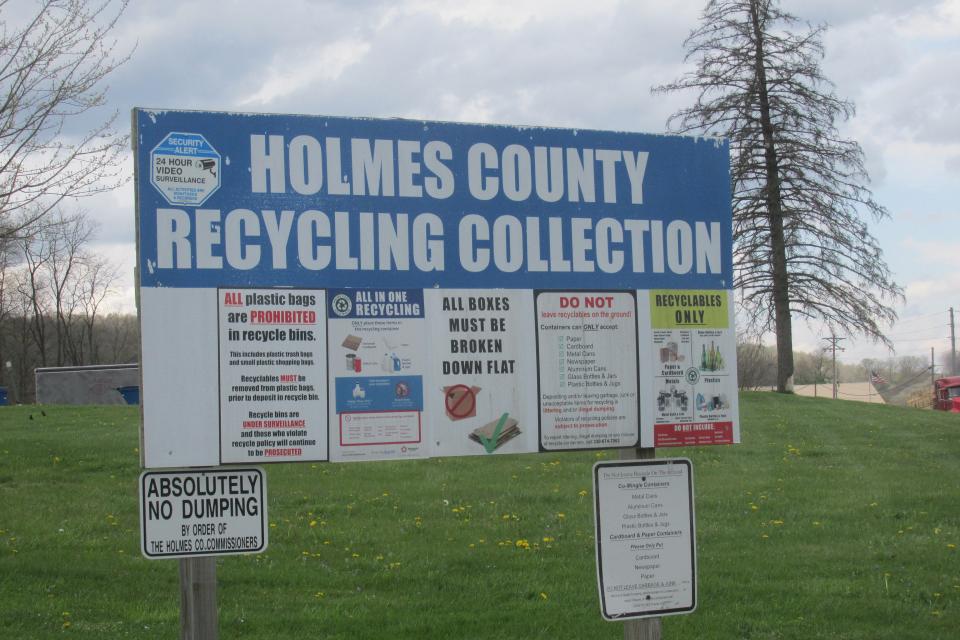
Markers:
(96, 384)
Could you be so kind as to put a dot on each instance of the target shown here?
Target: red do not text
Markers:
(588, 302)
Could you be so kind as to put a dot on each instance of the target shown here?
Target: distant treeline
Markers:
(757, 368)
(54, 289)
(110, 339)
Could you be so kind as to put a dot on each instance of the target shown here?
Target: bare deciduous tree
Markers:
(53, 65)
(801, 242)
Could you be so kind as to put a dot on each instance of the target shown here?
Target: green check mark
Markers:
(491, 443)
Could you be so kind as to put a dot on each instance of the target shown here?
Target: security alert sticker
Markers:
(185, 168)
(203, 512)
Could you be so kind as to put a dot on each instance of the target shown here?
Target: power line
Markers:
(917, 317)
(912, 331)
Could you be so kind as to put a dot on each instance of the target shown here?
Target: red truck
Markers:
(946, 394)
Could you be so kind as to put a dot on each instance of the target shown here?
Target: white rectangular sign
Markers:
(646, 543)
(378, 355)
(203, 512)
(273, 400)
(588, 369)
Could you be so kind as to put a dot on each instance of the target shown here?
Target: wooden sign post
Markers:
(198, 599)
(642, 628)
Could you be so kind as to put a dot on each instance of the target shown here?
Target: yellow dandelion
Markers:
(313, 523)
(582, 492)
(950, 545)
(544, 596)
(561, 515)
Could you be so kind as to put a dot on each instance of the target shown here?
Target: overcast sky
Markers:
(566, 63)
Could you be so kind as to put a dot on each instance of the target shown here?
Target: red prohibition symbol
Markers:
(460, 401)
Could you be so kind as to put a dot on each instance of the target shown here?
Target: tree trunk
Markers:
(781, 291)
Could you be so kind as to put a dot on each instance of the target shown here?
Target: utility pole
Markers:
(953, 346)
(933, 376)
(833, 340)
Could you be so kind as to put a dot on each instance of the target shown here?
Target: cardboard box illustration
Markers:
(508, 431)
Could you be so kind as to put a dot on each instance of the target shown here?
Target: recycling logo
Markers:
(185, 168)
(341, 305)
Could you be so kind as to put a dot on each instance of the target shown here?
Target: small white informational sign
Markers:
(203, 512)
(646, 543)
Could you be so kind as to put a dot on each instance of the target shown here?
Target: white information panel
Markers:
(588, 369)
(482, 391)
(646, 543)
(378, 356)
(273, 373)
(203, 512)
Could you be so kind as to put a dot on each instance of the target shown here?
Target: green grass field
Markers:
(831, 520)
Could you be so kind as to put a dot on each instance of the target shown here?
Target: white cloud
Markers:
(942, 253)
(510, 14)
(297, 70)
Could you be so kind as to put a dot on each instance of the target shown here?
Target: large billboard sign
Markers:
(319, 288)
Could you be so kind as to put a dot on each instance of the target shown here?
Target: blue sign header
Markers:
(303, 201)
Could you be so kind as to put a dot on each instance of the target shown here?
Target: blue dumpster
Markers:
(3, 396)
(131, 395)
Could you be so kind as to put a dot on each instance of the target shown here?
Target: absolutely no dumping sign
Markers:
(185, 168)
(203, 512)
